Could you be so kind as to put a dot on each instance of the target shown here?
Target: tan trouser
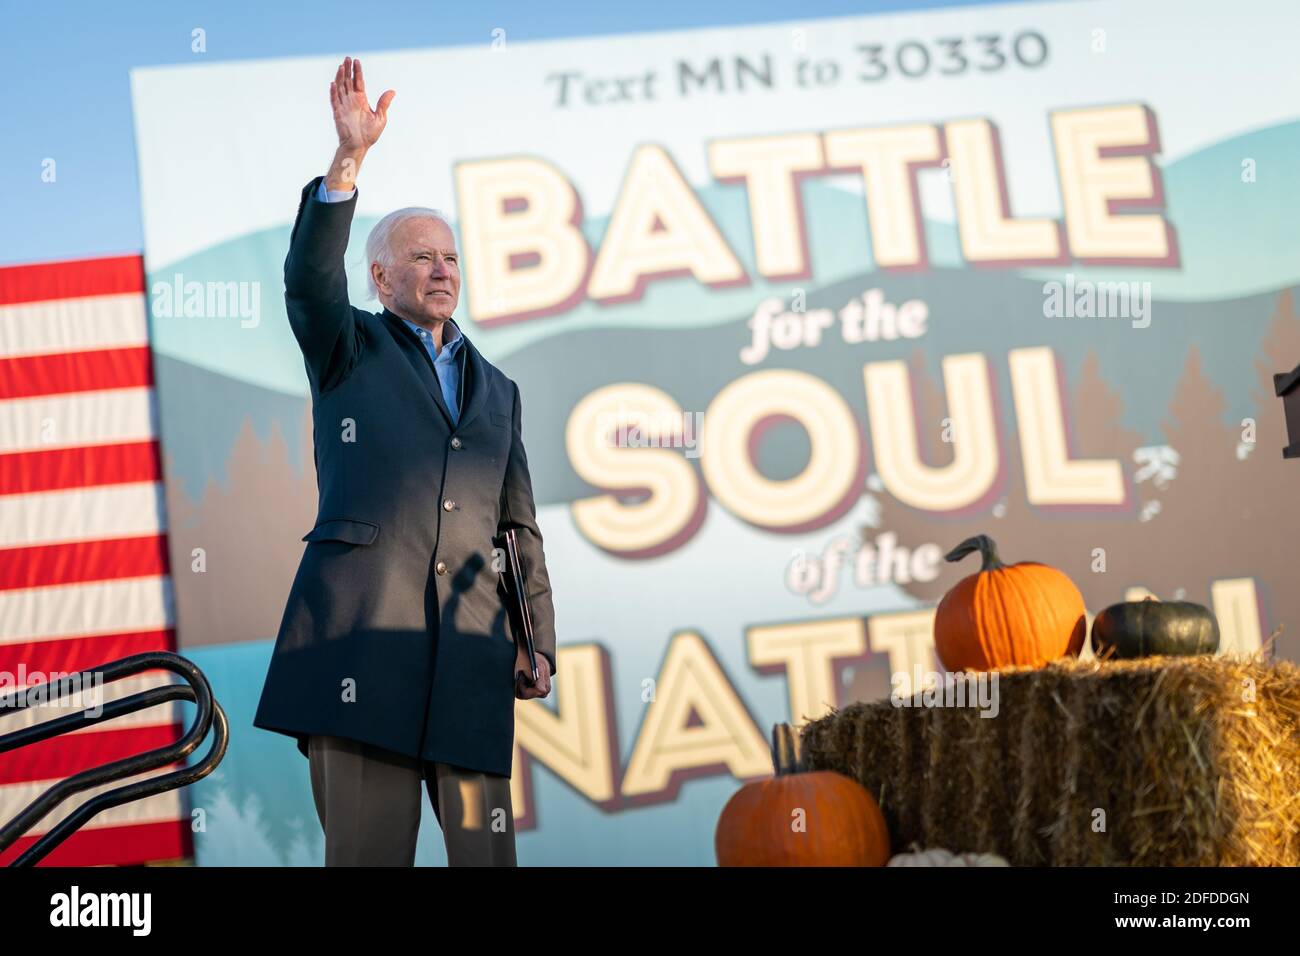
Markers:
(368, 801)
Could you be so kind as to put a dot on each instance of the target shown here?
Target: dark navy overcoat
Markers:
(394, 632)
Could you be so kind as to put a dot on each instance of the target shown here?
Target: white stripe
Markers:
(156, 809)
(92, 697)
(73, 325)
(82, 514)
(99, 607)
(105, 417)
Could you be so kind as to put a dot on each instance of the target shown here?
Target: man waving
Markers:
(394, 662)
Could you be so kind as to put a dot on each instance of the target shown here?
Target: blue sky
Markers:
(70, 98)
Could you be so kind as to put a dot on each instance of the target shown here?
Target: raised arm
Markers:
(315, 280)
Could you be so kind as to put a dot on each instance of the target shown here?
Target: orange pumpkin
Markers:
(1006, 615)
(801, 818)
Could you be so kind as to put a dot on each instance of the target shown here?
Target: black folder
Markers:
(517, 608)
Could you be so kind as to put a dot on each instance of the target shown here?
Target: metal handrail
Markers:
(198, 691)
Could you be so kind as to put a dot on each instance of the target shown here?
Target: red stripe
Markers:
(83, 561)
(31, 662)
(87, 371)
(73, 654)
(26, 472)
(72, 279)
(69, 754)
(120, 846)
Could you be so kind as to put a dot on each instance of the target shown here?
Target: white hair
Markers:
(379, 244)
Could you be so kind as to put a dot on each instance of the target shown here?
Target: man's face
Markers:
(423, 284)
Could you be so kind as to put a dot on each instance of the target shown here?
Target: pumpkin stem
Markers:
(786, 758)
(984, 545)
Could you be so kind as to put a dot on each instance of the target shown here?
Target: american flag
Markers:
(84, 576)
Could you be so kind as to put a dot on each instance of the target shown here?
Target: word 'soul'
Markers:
(673, 499)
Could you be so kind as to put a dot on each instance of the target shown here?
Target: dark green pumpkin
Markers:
(1149, 627)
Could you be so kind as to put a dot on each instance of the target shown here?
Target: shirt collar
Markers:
(451, 335)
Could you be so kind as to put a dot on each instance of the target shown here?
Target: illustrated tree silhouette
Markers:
(249, 530)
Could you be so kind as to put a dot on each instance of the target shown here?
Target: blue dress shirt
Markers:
(444, 360)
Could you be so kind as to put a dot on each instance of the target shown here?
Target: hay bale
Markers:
(1187, 768)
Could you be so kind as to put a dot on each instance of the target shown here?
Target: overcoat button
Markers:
(455, 441)
(448, 504)
(441, 567)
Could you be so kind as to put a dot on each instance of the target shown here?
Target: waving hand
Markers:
(358, 126)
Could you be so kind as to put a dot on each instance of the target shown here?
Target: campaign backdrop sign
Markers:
(794, 310)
